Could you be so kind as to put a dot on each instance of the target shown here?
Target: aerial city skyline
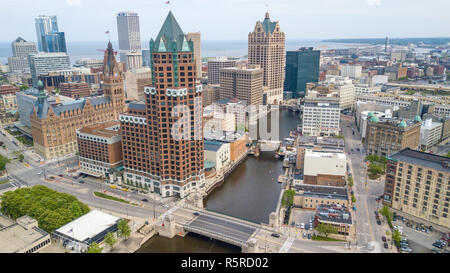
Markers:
(151, 140)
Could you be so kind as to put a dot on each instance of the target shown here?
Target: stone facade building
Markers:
(54, 126)
(387, 136)
(244, 83)
(266, 47)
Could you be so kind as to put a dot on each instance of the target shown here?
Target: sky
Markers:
(87, 20)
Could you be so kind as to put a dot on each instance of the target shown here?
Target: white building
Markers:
(217, 121)
(21, 49)
(352, 71)
(321, 118)
(324, 163)
(365, 89)
(42, 63)
(442, 110)
(214, 67)
(217, 152)
(379, 79)
(344, 86)
(367, 115)
(134, 59)
(430, 134)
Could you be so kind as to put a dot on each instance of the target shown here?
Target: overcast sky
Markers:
(87, 20)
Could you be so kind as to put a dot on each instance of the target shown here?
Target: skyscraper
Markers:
(214, 67)
(21, 49)
(49, 38)
(196, 38)
(244, 83)
(43, 63)
(162, 152)
(128, 32)
(266, 47)
(302, 66)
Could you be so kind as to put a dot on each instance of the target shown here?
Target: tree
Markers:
(326, 229)
(95, 248)
(396, 237)
(110, 239)
(21, 157)
(3, 161)
(123, 229)
(386, 213)
(448, 155)
(288, 198)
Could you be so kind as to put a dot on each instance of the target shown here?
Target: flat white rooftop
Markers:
(88, 225)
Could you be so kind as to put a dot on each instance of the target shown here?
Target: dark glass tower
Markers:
(49, 38)
(302, 66)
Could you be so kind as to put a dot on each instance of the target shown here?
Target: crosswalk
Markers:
(287, 245)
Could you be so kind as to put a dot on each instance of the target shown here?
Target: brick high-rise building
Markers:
(266, 47)
(162, 152)
(244, 83)
(75, 89)
(54, 126)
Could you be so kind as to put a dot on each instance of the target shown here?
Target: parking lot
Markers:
(299, 216)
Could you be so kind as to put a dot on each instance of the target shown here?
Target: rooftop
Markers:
(14, 237)
(102, 129)
(322, 191)
(88, 225)
(334, 213)
(213, 145)
(432, 161)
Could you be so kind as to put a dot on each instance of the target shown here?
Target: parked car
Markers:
(198, 214)
(309, 236)
(302, 225)
(145, 200)
(379, 222)
(386, 245)
(304, 235)
(434, 250)
(383, 239)
(406, 249)
(81, 182)
(276, 235)
(61, 175)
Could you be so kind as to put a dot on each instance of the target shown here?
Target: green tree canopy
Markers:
(110, 239)
(123, 229)
(326, 229)
(288, 198)
(95, 248)
(50, 208)
(3, 161)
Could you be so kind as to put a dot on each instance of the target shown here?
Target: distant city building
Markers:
(6, 89)
(214, 67)
(8, 103)
(75, 89)
(196, 38)
(211, 93)
(365, 89)
(49, 38)
(430, 134)
(146, 57)
(244, 83)
(135, 82)
(339, 87)
(321, 118)
(387, 136)
(99, 148)
(266, 48)
(417, 187)
(129, 33)
(352, 71)
(302, 67)
(21, 49)
(43, 63)
(315, 143)
(311, 196)
(133, 60)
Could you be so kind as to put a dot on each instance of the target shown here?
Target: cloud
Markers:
(73, 2)
(373, 2)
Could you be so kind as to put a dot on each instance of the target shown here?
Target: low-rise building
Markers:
(217, 152)
(337, 216)
(417, 185)
(314, 143)
(430, 134)
(325, 168)
(22, 236)
(311, 196)
(6, 89)
(75, 89)
(99, 148)
(390, 135)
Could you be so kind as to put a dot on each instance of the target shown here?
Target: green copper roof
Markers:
(171, 37)
(40, 85)
(417, 118)
(268, 25)
(402, 124)
(370, 114)
(374, 119)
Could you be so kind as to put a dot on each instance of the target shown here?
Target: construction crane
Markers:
(104, 50)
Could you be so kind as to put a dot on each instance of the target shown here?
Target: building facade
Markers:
(49, 38)
(129, 33)
(417, 185)
(75, 89)
(321, 118)
(164, 153)
(54, 126)
(430, 134)
(43, 63)
(266, 48)
(196, 38)
(302, 67)
(21, 49)
(387, 136)
(99, 148)
(214, 67)
(243, 84)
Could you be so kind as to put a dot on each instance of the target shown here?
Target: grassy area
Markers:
(102, 195)
(25, 140)
(4, 181)
(321, 238)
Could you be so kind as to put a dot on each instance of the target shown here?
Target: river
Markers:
(251, 192)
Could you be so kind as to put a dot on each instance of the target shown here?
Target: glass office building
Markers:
(49, 38)
(302, 66)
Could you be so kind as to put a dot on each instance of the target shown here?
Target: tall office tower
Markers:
(49, 38)
(242, 83)
(21, 49)
(266, 47)
(146, 58)
(302, 66)
(129, 33)
(386, 44)
(43, 63)
(196, 38)
(214, 67)
(162, 152)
